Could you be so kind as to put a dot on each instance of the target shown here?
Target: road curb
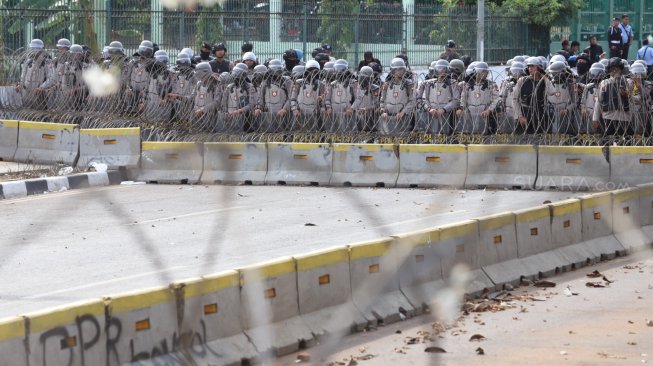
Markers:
(29, 187)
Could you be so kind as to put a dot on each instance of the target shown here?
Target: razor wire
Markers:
(164, 101)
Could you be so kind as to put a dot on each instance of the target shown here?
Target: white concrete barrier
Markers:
(115, 147)
(12, 341)
(572, 168)
(324, 288)
(365, 165)
(141, 325)
(626, 219)
(47, 143)
(374, 281)
(646, 209)
(534, 241)
(567, 234)
(597, 225)
(270, 310)
(8, 139)
(170, 162)
(501, 166)
(432, 166)
(631, 165)
(234, 163)
(308, 164)
(73, 335)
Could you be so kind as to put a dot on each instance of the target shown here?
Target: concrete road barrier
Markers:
(47, 143)
(141, 325)
(534, 241)
(8, 139)
(72, 335)
(432, 166)
(572, 168)
(307, 164)
(12, 341)
(234, 163)
(270, 310)
(631, 165)
(626, 219)
(365, 165)
(596, 212)
(420, 273)
(459, 245)
(567, 234)
(501, 166)
(646, 209)
(170, 162)
(374, 281)
(324, 288)
(115, 147)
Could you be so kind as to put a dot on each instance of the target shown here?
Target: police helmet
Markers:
(239, 69)
(597, 71)
(36, 44)
(397, 63)
(183, 59)
(290, 54)
(146, 49)
(105, 52)
(403, 57)
(365, 72)
(615, 62)
(555, 58)
(275, 65)
(432, 65)
(298, 71)
(77, 49)
(519, 59)
(457, 66)
(605, 62)
(376, 67)
(557, 67)
(451, 44)
(161, 56)
(260, 69)
(535, 61)
(638, 70)
(249, 56)
(224, 78)
(545, 62)
(63, 43)
(509, 63)
(481, 66)
(312, 64)
(517, 69)
(329, 66)
(116, 48)
(218, 47)
(471, 68)
(322, 58)
(203, 69)
(441, 66)
(341, 65)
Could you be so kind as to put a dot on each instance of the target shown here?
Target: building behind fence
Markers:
(385, 27)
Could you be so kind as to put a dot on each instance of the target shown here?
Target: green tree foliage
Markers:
(209, 25)
(337, 21)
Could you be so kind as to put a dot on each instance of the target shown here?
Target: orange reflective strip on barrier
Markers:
(172, 156)
(270, 293)
(142, 325)
(646, 161)
(300, 157)
(236, 156)
(498, 239)
(534, 231)
(110, 142)
(433, 159)
(419, 258)
(69, 342)
(574, 161)
(374, 268)
(597, 216)
(48, 136)
(502, 159)
(324, 280)
(210, 309)
(366, 158)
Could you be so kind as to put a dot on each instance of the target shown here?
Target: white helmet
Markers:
(249, 56)
(312, 64)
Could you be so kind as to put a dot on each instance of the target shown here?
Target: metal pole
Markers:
(305, 29)
(357, 33)
(480, 31)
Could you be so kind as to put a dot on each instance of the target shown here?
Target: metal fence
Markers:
(383, 27)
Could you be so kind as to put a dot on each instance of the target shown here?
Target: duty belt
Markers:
(615, 42)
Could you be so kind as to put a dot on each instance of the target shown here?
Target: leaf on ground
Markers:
(595, 274)
(477, 337)
(435, 350)
(480, 351)
(545, 284)
(594, 284)
(309, 224)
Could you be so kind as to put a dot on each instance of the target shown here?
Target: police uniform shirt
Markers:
(646, 54)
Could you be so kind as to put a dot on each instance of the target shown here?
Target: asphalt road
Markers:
(63, 247)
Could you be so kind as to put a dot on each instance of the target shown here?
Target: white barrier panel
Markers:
(432, 166)
(365, 165)
(374, 281)
(324, 286)
(572, 168)
(631, 165)
(270, 310)
(170, 162)
(211, 331)
(8, 139)
(234, 163)
(626, 219)
(141, 325)
(567, 237)
(309, 164)
(73, 335)
(459, 245)
(47, 143)
(498, 253)
(646, 209)
(115, 147)
(534, 241)
(501, 166)
(12, 341)
(420, 273)
(10, 99)
(597, 225)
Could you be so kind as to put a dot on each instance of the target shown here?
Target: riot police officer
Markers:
(220, 63)
(366, 104)
(182, 85)
(612, 113)
(239, 100)
(205, 98)
(530, 100)
(307, 99)
(437, 99)
(588, 99)
(339, 97)
(397, 103)
(273, 105)
(478, 100)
